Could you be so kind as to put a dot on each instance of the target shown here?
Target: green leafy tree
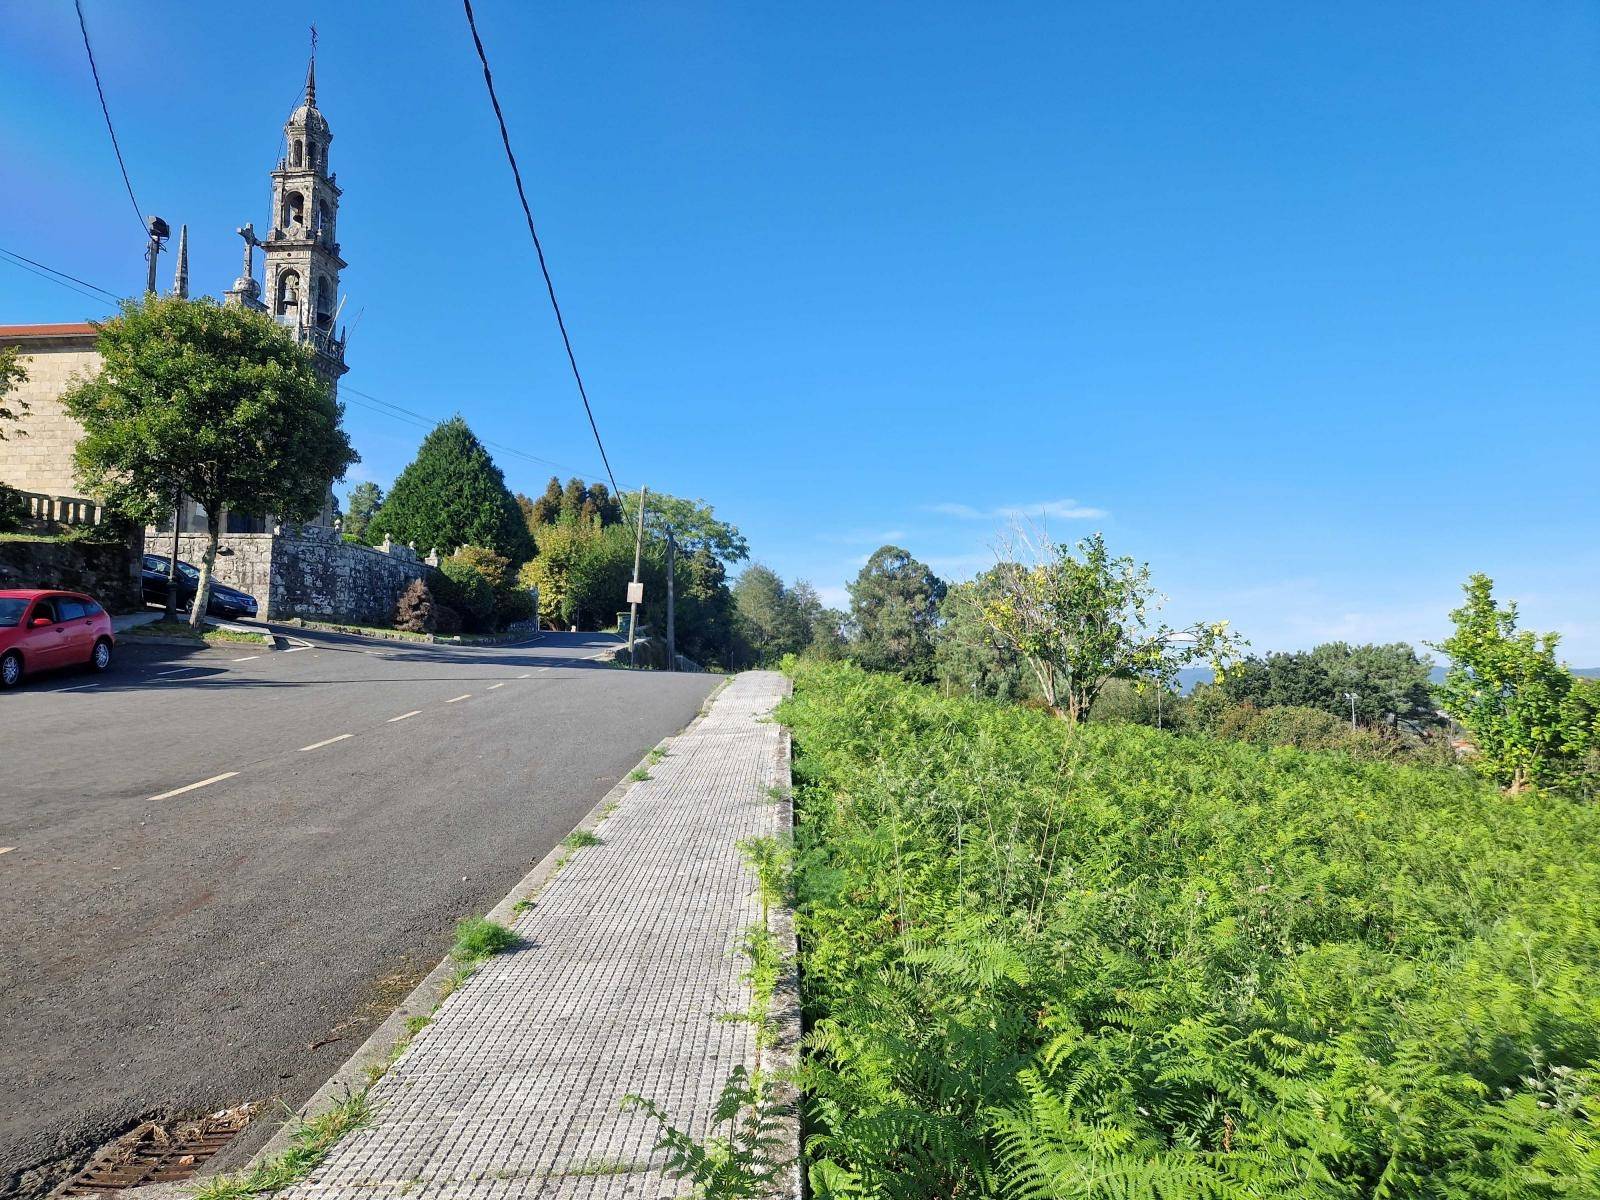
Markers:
(1390, 683)
(693, 522)
(557, 570)
(705, 609)
(1080, 621)
(12, 372)
(218, 402)
(1508, 691)
(772, 620)
(365, 500)
(573, 499)
(453, 495)
(546, 510)
(969, 658)
(894, 613)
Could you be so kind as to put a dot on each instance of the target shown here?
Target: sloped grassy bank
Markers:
(1115, 963)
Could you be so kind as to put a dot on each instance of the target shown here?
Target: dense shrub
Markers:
(13, 509)
(415, 610)
(470, 578)
(446, 620)
(1111, 962)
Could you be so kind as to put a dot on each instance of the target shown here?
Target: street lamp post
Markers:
(1352, 697)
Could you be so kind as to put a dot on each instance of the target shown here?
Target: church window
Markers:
(294, 210)
(299, 153)
(324, 220)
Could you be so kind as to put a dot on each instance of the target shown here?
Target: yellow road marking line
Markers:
(192, 786)
(326, 742)
(403, 716)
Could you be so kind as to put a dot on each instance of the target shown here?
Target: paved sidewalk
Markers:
(628, 964)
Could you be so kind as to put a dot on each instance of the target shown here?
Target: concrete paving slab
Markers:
(627, 970)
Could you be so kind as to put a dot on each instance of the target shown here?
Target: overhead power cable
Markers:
(366, 400)
(522, 195)
(70, 282)
(104, 108)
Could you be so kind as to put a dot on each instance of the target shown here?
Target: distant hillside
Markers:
(1189, 676)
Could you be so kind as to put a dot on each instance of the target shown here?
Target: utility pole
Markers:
(160, 231)
(672, 629)
(636, 589)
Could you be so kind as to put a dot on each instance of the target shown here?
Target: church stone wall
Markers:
(316, 573)
(39, 459)
(306, 571)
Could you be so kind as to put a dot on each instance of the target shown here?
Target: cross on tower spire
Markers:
(311, 72)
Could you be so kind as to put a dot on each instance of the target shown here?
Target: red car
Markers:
(40, 631)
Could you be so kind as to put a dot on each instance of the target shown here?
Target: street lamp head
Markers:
(159, 228)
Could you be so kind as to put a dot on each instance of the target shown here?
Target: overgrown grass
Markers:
(1112, 962)
(309, 1145)
(638, 775)
(579, 838)
(478, 938)
(362, 630)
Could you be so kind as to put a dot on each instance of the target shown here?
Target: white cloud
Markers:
(1064, 510)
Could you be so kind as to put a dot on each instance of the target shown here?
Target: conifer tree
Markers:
(453, 495)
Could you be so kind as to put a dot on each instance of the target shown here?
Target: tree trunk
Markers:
(202, 591)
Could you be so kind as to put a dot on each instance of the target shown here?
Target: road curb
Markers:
(351, 1077)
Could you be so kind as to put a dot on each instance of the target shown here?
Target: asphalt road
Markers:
(170, 951)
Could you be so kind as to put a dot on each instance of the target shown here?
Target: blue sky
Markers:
(1297, 302)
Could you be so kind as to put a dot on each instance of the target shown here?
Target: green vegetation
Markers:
(771, 619)
(13, 509)
(478, 938)
(218, 403)
(585, 562)
(453, 495)
(1389, 683)
(1105, 961)
(579, 838)
(1533, 723)
(210, 634)
(309, 1145)
(894, 614)
(590, 503)
(364, 501)
(638, 775)
(12, 372)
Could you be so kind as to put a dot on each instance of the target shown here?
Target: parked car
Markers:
(225, 602)
(40, 631)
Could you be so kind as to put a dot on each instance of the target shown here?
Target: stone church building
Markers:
(301, 570)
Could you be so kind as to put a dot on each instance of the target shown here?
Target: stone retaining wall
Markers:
(108, 571)
(307, 571)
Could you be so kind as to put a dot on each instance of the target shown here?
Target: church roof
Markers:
(17, 332)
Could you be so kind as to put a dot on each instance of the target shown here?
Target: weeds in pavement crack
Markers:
(308, 1146)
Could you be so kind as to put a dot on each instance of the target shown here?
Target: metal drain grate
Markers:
(156, 1153)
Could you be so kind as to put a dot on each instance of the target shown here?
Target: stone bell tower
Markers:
(301, 250)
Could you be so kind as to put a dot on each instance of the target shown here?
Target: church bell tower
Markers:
(301, 251)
